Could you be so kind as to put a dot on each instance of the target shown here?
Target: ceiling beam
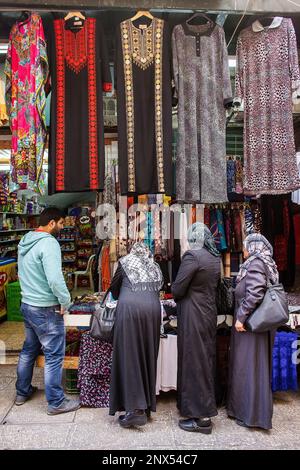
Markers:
(229, 6)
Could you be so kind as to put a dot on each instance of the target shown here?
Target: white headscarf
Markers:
(141, 270)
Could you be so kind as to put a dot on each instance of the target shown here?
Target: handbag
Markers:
(103, 319)
(272, 312)
(225, 295)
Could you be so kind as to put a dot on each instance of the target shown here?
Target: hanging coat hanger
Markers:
(199, 15)
(25, 15)
(141, 13)
(72, 14)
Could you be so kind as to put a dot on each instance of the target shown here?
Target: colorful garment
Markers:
(221, 230)
(26, 70)
(284, 373)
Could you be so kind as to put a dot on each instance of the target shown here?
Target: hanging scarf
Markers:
(221, 229)
(199, 236)
(141, 270)
(259, 247)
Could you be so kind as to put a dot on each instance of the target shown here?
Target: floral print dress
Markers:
(26, 70)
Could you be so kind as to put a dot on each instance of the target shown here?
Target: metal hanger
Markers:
(198, 14)
(141, 13)
(71, 14)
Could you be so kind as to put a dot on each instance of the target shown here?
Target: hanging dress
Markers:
(26, 70)
(79, 72)
(202, 81)
(143, 83)
(267, 75)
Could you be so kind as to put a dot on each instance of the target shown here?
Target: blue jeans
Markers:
(44, 328)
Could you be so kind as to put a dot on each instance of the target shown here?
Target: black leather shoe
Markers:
(196, 425)
(148, 413)
(133, 418)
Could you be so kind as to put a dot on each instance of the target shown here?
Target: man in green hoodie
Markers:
(44, 299)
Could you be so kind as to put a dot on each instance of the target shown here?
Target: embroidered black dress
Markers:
(144, 91)
(79, 72)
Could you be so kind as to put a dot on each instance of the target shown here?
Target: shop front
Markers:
(138, 125)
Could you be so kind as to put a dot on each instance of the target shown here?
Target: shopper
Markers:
(195, 293)
(136, 285)
(250, 395)
(44, 299)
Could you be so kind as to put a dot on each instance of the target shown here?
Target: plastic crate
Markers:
(71, 382)
(13, 302)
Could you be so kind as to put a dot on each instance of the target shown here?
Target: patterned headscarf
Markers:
(199, 236)
(141, 270)
(259, 247)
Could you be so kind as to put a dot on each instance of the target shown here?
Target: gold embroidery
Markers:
(142, 45)
(158, 106)
(129, 104)
(143, 48)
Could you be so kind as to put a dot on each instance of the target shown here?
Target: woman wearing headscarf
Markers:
(195, 293)
(249, 395)
(136, 285)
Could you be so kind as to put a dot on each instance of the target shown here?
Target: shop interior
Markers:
(89, 263)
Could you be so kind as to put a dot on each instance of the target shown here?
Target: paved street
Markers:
(29, 427)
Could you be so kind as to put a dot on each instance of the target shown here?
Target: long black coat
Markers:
(195, 291)
(135, 347)
(250, 394)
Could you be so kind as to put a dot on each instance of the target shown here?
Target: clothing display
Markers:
(26, 70)
(267, 75)
(79, 72)
(284, 376)
(201, 74)
(144, 95)
(278, 228)
(94, 369)
(180, 201)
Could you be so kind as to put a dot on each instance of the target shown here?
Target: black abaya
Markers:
(195, 291)
(135, 347)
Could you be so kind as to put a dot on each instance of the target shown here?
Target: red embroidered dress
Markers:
(79, 72)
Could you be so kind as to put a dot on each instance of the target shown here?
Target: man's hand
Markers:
(62, 310)
(239, 326)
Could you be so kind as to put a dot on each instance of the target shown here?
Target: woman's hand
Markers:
(239, 326)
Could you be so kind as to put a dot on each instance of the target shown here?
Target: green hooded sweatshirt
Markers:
(40, 271)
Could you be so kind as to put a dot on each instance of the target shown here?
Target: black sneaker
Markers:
(65, 407)
(20, 400)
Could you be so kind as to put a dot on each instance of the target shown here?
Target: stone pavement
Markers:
(29, 427)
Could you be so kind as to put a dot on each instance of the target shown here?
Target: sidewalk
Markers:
(29, 427)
